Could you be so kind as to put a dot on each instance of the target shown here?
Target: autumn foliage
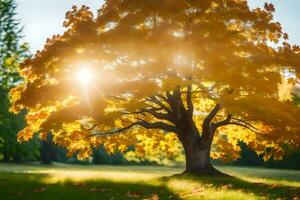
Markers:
(164, 71)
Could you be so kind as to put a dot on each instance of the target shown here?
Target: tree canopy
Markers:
(155, 71)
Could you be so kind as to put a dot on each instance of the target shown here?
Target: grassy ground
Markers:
(138, 182)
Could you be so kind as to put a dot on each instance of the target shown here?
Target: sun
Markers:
(84, 75)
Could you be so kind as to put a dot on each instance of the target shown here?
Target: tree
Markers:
(206, 73)
(11, 51)
(11, 54)
(47, 151)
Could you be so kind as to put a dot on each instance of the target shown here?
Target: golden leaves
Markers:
(25, 134)
(285, 36)
(77, 15)
(157, 147)
(285, 90)
(269, 7)
(223, 51)
(224, 148)
(34, 119)
(15, 94)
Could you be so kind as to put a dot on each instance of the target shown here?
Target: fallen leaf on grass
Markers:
(194, 192)
(197, 190)
(133, 194)
(39, 190)
(153, 197)
(228, 186)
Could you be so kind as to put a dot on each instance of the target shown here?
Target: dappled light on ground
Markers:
(143, 182)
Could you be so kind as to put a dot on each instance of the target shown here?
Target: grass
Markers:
(62, 181)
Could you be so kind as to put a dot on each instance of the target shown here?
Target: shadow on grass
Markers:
(269, 191)
(36, 186)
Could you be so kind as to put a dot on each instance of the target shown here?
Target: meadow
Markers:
(62, 181)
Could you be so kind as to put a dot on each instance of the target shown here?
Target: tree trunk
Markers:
(197, 152)
(6, 157)
(47, 151)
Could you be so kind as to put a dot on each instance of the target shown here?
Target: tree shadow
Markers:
(269, 191)
(36, 186)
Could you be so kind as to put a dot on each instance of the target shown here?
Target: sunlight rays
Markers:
(84, 75)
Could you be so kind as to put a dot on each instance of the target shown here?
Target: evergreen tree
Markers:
(12, 52)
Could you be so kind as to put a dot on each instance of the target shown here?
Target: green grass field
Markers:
(73, 182)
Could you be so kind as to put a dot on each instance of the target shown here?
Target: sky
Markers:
(43, 18)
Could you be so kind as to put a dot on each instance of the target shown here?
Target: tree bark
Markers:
(197, 152)
(196, 146)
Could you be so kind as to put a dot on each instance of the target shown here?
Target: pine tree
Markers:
(12, 52)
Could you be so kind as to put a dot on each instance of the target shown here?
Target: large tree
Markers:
(12, 52)
(210, 73)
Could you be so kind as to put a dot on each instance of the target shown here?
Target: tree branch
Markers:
(154, 113)
(224, 122)
(159, 125)
(210, 116)
(189, 100)
(238, 122)
(153, 99)
(206, 126)
(159, 115)
(247, 127)
(116, 131)
(176, 104)
(248, 124)
(142, 123)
